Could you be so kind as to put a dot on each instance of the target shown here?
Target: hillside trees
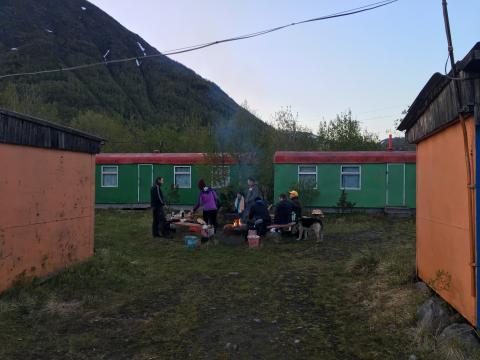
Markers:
(345, 133)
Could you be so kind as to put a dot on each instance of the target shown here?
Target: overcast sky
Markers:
(373, 63)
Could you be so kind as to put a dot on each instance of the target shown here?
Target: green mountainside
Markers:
(118, 101)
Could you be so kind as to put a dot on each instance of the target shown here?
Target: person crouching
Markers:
(259, 217)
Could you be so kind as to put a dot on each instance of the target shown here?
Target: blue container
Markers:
(191, 241)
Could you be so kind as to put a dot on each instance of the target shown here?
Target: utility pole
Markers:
(466, 147)
(449, 37)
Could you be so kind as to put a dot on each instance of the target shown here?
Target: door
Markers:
(145, 182)
(395, 185)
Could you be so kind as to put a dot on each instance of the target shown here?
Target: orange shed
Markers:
(47, 198)
(447, 202)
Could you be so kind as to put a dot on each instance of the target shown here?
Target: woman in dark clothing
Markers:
(283, 211)
(259, 217)
(208, 200)
(160, 225)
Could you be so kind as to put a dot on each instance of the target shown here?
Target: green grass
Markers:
(350, 297)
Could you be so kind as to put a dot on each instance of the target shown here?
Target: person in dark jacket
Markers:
(259, 217)
(296, 206)
(283, 211)
(160, 225)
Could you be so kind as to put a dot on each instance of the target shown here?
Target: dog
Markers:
(313, 223)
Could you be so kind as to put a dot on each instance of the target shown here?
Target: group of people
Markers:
(249, 207)
(207, 199)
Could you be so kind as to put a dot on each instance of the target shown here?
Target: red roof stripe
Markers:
(344, 157)
(156, 158)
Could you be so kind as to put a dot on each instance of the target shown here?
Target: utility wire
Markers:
(353, 11)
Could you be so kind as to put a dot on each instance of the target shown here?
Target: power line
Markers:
(353, 11)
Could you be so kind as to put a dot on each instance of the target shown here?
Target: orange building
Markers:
(47, 198)
(447, 230)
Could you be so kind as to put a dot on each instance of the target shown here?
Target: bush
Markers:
(343, 203)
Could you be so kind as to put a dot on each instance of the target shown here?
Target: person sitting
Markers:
(283, 211)
(296, 206)
(208, 200)
(259, 217)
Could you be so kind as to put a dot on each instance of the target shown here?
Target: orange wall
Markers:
(442, 217)
(46, 210)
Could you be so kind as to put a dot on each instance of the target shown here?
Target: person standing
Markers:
(160, 225)
(208, 200)
(239, 204)
(252, 193)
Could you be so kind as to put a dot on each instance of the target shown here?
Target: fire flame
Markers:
(237, 223)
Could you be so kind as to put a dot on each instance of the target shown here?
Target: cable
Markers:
(353, 11)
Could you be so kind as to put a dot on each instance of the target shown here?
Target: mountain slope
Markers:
(44, 34)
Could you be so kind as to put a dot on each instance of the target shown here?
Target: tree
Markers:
(343, 203)
(345, 133)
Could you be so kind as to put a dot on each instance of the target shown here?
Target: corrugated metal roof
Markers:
(21, 129)
(163, 158)
(344, 157)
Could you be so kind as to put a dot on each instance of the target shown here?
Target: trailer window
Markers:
(183, 177)
(110, 176)
(220, 177)
(351, 178)
(307, 174)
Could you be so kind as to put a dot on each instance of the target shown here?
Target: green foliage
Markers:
(226, 196)
(345, 133)
(343, 203)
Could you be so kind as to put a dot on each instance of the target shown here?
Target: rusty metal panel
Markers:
(443, 248)
(47, 210)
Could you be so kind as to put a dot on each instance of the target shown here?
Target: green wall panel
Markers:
(395, 185)
(372, 193)
(128, 190)
(125, 193)
(410, 185)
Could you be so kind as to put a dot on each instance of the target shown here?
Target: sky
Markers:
(373, 63)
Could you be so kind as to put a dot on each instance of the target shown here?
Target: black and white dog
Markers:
(313, 223)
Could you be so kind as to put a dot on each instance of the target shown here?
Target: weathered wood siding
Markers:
(19, 129)
(443, 110)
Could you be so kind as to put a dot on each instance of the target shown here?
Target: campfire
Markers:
(237, 226)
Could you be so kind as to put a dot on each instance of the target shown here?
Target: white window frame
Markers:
(175, 173)
(226, 181)
(103, 172)
(359, 173)
(308, 173)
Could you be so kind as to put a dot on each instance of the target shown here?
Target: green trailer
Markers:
(124, 180)
(370, 179)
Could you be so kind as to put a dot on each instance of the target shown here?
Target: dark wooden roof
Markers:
(436, 106)
(20, 129)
